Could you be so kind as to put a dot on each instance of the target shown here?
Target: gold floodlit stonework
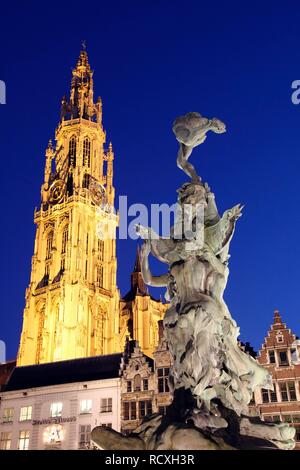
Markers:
(73, 307)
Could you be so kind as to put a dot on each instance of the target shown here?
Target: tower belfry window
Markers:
(72, 152)
(64, 240)
(49, 245)
(86, 181)
(86, 152)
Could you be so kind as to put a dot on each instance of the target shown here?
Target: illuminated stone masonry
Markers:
(73, 307)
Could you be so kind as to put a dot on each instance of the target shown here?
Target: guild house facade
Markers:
(280, 354)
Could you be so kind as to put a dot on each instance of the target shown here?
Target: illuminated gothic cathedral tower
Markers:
(73, 307)
(72, 302)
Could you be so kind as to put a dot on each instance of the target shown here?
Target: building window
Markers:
(163, 374)
(84, 436)
(56, 409)
(85, 406)
(49, 244)
(62, 264)
(145, 385)
(106, 405)
(269, 395)
(272, 357)
(265, 396)
(106, 425)
(137, 383)
(64, 240)
(8, 414)
(86, 152)
(86, 181)
(271, 418)
(26, 413)
(283, 358)
(53, 434)
(72, 152)
(297, 435)
(5, 440)
(100, 249)
(23, 440)
(100, 276)
(162, 410)
(129, 386)
(145, 408)
(288, 391)
(129, 410)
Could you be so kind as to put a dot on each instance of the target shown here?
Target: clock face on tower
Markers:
(57, 190)
(97, 192)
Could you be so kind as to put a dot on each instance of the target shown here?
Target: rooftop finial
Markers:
(83, 45)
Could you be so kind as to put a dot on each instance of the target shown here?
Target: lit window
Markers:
(8, 414)
(23, 440)
(26, 413)
(53, 434)
(106, 405)
(5, 440)
(85, 406)
(84, 436)
(56, 409)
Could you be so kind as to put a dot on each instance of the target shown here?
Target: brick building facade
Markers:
(280, 354)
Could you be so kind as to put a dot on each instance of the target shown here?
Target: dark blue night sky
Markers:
(153, 61)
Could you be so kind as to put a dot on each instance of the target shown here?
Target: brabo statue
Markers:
(212, 378)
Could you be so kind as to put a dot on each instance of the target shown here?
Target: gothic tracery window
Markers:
(64, 240)
(72, 152)
(49, 244)
(86, 152)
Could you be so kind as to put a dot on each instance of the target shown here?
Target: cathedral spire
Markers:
(81, 103)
